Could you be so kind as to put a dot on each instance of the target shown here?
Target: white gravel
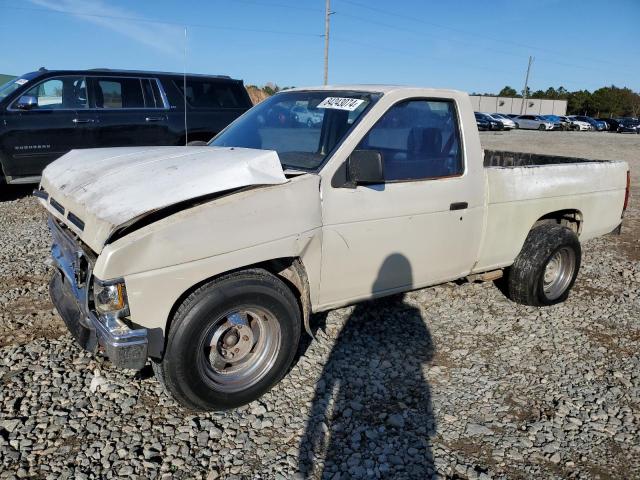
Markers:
(454, 379)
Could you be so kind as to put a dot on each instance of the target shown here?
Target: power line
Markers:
(465, 32)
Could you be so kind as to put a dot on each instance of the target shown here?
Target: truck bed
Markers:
(524, 187)
(505, 159)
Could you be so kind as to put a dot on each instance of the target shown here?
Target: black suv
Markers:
(45, 114)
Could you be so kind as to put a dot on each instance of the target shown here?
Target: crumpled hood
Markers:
(107, 187)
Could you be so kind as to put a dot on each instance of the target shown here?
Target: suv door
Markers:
(129, 111)
(48, 127)
(427, 214)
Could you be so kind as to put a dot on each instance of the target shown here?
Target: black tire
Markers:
(517, 125)
(541, 127)
(525, 279)
(184, 372)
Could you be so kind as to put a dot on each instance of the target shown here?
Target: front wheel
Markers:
(230, 341)
(546, 268)
(542, 127)
(517, 125)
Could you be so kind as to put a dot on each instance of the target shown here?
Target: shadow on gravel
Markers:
(372, 414)
(14, 192)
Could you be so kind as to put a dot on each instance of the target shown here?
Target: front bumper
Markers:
(125, 347)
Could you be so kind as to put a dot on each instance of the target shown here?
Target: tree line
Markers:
(607, 102)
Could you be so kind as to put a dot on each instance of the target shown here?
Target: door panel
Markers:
(408, 221)
(37, 136)
(126, 113)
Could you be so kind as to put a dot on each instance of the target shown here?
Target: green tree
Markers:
(508, 92)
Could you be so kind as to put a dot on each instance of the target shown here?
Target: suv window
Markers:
(60, 93)
(118, 93)
(418, 139)
(208, 94)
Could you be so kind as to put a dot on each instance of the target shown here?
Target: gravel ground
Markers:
(453, 379)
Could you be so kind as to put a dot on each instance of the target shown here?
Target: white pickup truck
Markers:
(209, 260)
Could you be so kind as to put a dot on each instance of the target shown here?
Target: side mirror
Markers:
(365, 167)
(27, 102)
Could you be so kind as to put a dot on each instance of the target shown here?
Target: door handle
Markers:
(458, 206)
(153, 119)
(83, 120)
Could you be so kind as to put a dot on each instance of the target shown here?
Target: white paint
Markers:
(108, 187)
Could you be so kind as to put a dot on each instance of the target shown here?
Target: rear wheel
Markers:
(230, 341)
(546, 268)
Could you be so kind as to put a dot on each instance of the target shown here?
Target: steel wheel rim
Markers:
(558, 273)
(239, 349)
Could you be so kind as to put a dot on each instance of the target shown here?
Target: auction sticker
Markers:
(341, 103)
(21, 81)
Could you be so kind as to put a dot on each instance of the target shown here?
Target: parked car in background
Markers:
(47, 113)
(507, 123)
(559, 123)
(612, 123)
(595, 124)
(493, 124)
(306, 116)
(628, 125)
(533, 122)
(579, 125)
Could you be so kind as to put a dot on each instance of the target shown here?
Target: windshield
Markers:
(10, 87)
(303, 127)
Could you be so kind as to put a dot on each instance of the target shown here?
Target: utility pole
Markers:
(326, 41)
(523, 108)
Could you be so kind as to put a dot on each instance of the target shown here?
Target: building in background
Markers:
(534, 106)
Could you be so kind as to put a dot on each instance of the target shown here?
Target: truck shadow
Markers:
(371, 414)
(14, 192)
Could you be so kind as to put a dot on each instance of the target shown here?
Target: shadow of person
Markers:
(371, 415)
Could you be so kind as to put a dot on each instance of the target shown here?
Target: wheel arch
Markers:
(570, 217)
(290, 270)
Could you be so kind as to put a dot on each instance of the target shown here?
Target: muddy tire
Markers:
(546, 268)
(230, 341)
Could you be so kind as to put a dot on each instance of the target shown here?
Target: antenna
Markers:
(184, 90)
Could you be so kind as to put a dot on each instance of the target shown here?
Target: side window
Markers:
(152, 98)
(118, 93)
(211, 94)
(417, 139)
(60, 93)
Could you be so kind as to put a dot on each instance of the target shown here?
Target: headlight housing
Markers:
(110, 298)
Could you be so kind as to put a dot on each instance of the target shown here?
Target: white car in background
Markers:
(508, 123)
(579, 125)
(533, 122)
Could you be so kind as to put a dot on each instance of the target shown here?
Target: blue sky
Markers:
(469, 45)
